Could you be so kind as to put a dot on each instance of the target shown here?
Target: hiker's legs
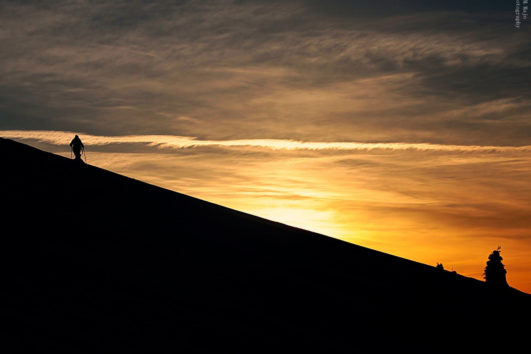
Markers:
(77, 153)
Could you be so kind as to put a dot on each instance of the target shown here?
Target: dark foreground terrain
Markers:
(95, 262)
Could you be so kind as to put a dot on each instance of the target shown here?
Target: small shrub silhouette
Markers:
(495, 271)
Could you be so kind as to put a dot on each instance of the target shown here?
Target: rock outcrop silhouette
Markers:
(141, 269)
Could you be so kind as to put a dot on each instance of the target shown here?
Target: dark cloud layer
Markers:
(315, 70)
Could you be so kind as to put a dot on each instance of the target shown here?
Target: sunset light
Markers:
(432, 203)
(263, 176)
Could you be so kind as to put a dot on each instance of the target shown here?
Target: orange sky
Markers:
(453, 208)
(448, 204)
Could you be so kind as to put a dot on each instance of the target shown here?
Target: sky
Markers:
(403, 126)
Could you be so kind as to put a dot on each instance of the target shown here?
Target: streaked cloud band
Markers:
(180, 142)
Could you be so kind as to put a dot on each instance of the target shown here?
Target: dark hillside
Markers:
(98, 262)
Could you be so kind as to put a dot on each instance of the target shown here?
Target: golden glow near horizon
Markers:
(395, 130)
(444, 203)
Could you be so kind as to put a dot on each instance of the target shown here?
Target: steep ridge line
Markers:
(101, 262)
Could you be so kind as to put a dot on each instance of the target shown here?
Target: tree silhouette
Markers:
(495, 271)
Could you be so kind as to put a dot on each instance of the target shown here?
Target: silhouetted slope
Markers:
(97, 262)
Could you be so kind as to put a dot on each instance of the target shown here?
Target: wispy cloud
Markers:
(180, 142)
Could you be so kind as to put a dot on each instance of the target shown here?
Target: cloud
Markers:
(181, 142)
(258, 69)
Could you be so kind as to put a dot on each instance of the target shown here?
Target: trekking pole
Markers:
(84, 153)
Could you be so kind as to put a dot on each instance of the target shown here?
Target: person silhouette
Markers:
(77, 147)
